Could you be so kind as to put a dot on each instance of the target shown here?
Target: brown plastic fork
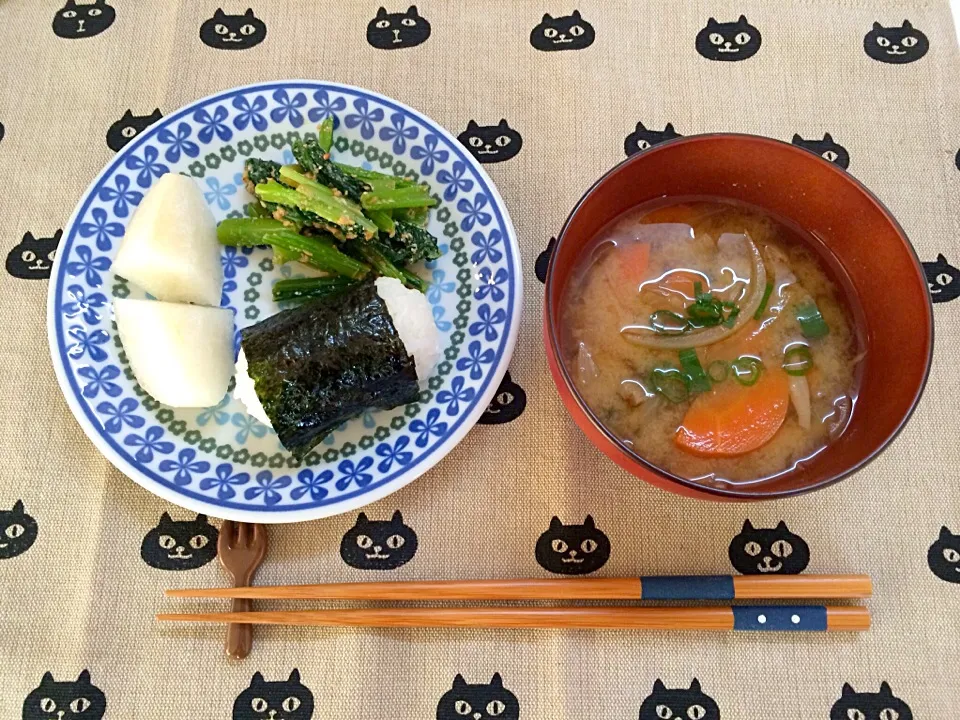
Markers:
(241, 547)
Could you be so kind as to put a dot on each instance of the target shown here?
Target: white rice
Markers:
(246, 393)
(413, 319)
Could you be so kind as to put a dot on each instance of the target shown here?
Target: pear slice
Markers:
(181, 354)
(170, 248)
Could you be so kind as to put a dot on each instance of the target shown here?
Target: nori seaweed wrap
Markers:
(326, 362)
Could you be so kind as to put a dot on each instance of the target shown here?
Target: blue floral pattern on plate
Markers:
(219, 460)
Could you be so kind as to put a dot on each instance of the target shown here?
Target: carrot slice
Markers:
(732, 419)
(634, 258)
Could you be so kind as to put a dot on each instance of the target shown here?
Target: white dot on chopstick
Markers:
(761, 619)
(795, 619)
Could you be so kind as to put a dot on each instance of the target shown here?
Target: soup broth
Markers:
(711, 339)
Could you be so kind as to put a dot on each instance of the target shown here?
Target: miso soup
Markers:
(713, 339)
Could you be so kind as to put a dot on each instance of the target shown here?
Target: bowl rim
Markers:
(688, 486)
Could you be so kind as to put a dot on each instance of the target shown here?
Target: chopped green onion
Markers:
(746, 370)
(670, 383)
(812, 324)
(705, 311)
(325, 133)
(690, 364)
(797, 360)
(732, 317)
(763, 301)
(718, 371)
(667, 322)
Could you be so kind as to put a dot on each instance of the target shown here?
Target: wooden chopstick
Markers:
(669, 587)
(810, 618)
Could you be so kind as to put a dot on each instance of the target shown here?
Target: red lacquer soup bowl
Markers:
(857, 234)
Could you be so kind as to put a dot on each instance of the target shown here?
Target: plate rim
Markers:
(279, 515)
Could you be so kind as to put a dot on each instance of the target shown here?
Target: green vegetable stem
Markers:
(325, 134)
(370, 176)
(314, 251)
(307, 288)
(313, 199)
(382, 266)
(415, 196)
(315, 160)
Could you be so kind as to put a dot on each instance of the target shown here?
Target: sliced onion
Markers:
(800, 397)
(586, 367)
(646, 337)
(836, 421)
(735, 256)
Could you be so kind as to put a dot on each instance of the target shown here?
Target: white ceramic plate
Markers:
(219, 460)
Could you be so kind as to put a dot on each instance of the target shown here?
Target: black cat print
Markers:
(74, 21)
(2, 131)
(943, 279)
(542, 265)
(895, 45)
(33, 258)
(567, 32)
(956, 158)
(395, 31)
(943, 557)
(263, 699)
(883, 705)
(679, 704)
(128, 127)
(491, 143)
(179, 544)
(378, 544)
(641, 138)
(728, 41)
(761, 551)
(508, 404)
(483, 701)
(572, 549)
(76, 699)
(18, 531)
(827, 148)
(233, 32)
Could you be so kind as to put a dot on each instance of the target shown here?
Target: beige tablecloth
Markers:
(81, 598)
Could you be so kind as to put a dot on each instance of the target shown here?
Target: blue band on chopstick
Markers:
(687, 587)
(780, 617)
